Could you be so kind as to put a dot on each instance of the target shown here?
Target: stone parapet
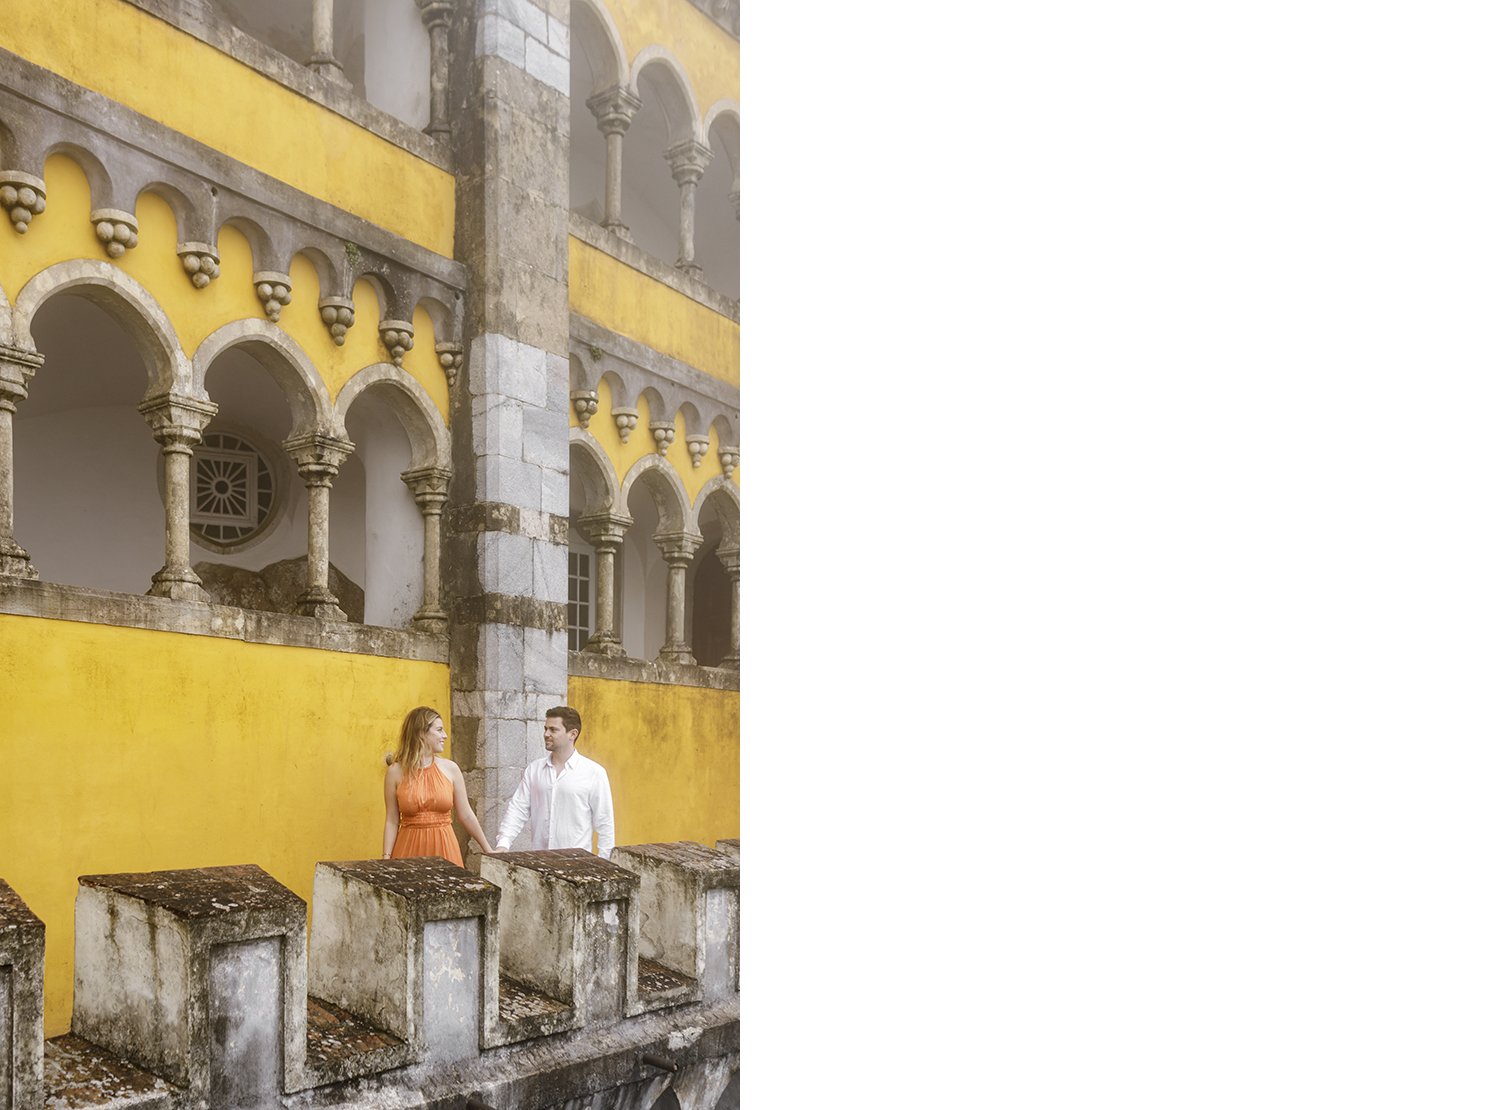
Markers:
(23, 940)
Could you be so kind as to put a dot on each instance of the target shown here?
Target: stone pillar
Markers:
(177, 423)
(614, 109)
(318, 458)
(688, 160)
(505, 557)
(322, 61)
(429, 485)
(677, 548)
(437, 15)
(16, 369)
(729, 556)
(606, 532)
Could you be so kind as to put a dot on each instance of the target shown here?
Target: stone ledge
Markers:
(202, 23)
(636, 354)
(586, 664)
(22, 598)
(633, 256)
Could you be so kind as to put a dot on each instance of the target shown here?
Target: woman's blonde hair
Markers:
(409, 747)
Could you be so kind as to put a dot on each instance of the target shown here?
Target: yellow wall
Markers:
(710, 54)
(169, 76)
(672, 754)
(629, 303)
(63, 232)
(132, 750)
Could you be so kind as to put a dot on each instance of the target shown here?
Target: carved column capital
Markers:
(614, 109)
(317, 456)
(177, 420)
(688, 159)
(16, 368)
(435, 12)
(605, 530)
(429, 486)
(729, 559)
(678, 548)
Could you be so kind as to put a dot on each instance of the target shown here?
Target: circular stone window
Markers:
(234, 491)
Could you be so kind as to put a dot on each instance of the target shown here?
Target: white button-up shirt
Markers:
(566, 807)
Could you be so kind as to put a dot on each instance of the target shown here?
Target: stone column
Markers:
(729, 557)
(606, 532)
(437, 15)
(677, 548)
(322, 61)
(318, 458)
(614, 109)
(16, 368)
(177, 423)
(688, 160)
(429, 485)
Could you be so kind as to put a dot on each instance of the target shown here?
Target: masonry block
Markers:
(23, 940)
(689, 922)
(198, 977)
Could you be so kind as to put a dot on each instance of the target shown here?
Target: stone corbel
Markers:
(23, 197)
(451, 359)
(625, 422)
(116, 230)
(397, 337)
(338, 317)
(585, 404)
(729, 458)
(697, 448)
(664, 432)
(200, 261)
(274, 291)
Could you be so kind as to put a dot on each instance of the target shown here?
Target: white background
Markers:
(1121, 652)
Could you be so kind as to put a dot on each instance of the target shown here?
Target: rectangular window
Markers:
(580, 591)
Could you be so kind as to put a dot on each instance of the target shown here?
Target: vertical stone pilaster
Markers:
(614, 109)
(437, 16)
(177, 423)
(429, 486)
(16, 369)
(606, 532)
(505, 558)
(688, 160)
(729, 558)
(318, 458)
(677, 548)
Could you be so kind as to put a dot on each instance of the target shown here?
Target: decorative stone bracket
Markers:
(338, 317)
(200, 261)
(451, 359)
(23, 196)
(697, 448)
(274, 291)
(116, 229)
(585, 404)
(625, 422)
(664, 432)
(397, 337)
(729, 458)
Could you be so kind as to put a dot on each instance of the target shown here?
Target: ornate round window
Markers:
(234, 491)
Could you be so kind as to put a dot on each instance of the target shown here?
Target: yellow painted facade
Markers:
(116, 50)
(709, 54)
(64, 232)
(627, 302)
(672, 754)
(133, 750)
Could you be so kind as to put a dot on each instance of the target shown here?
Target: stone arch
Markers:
(725, 115)
(330, 283)
(10, 154)
(619, 393)
(588, 461)
(601, 44)
(182, 208)
(288, 364)
(412, 406)
(127, 301)
(657, 72)
(101, 185)
(723, 496)
(441, 316)
(262, 249)
(657, 408)
(385, 292)
(661, 480)
(728, 434)
(693, 423)
(5, 314)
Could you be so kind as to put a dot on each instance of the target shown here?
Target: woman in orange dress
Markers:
(421, 790)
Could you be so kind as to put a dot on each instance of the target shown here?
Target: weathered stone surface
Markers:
(22, 946)
(276, 587)
(81, 1075)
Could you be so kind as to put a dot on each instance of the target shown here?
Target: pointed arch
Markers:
(283, 358)
(262, 250)
(600, 42)
(177, 201)
(101, 185)
(664, 484)
(721, 497)
(329, 280)
(126, 300)
(411, 405)
(587, 459)
(657, 72)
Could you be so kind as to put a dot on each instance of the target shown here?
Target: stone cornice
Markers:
(588, 664)
(633, 256)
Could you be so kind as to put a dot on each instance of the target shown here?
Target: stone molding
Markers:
(638, 259)
(724, 13)
(49, 600)
(587, 664)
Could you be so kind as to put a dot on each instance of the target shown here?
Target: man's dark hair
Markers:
(569, 717)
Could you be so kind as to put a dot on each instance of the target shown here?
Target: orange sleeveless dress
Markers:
(425, 799)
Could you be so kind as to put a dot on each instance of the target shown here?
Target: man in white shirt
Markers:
(565, 794)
